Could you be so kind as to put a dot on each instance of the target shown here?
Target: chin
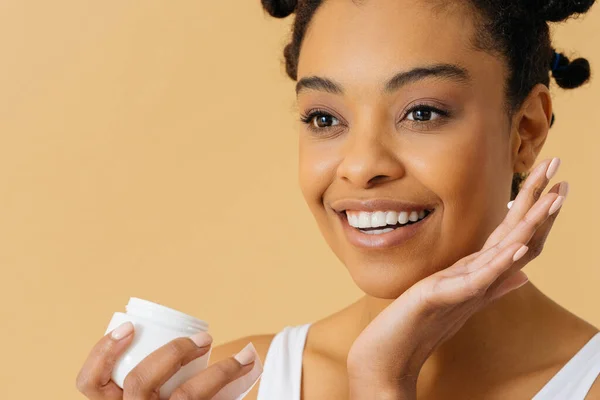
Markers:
(386, 280)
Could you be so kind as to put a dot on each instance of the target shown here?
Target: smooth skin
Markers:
(433, 310)
(438, 315)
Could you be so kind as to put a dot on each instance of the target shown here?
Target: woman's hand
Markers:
(145, 380)
(385, 360)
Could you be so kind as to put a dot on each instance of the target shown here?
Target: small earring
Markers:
(510, 203)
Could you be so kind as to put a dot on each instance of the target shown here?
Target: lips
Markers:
(386, 240)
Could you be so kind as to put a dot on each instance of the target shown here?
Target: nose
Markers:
(369, 158)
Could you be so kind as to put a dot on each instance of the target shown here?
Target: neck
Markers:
(499, 337)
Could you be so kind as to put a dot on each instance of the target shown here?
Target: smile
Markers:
(381, 229)
(368, 222)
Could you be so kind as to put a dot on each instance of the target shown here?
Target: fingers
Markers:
(535, 244)
(146, 378)
(93, 379)
(523, 231)
(492, 271)
(525, 200)
(529, 194)
(460, 288)
(533, 220)
(210, 381)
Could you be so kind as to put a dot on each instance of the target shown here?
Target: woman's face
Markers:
(367, 145)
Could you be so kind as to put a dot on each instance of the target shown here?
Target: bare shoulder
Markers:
(594, 393)
(261, 344)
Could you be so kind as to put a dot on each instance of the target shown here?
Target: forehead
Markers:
(363, 42)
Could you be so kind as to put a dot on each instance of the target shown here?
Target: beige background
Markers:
(149, 149)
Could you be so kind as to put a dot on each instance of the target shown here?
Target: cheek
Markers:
(471, 182)
(462, 172)
(317, 168)
(315, 173)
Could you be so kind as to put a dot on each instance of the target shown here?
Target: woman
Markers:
(421, 120)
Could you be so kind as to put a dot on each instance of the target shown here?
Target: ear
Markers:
(530, 128)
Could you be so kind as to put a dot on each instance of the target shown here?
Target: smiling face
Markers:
(439, 136)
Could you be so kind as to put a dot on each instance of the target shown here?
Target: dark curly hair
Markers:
(516, 30)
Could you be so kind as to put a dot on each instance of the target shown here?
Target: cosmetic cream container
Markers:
(154, 326)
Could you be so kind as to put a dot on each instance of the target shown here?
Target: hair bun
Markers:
(569, 74)
(279, 8)
(557, 10)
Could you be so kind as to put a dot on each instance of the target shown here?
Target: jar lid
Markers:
(167, 315)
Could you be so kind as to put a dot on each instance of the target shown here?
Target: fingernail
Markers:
(556, 205)
(201, 339)
(121, 331)
(510, 203)
(553, 167)
(520, 253)
(564, 189)
(246, 355)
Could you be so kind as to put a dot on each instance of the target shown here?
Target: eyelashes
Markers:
(308, 119)
(423, 120)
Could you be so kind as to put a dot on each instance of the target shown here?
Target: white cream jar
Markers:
(156, 325)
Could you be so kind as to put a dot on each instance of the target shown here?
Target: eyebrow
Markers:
(446, 71)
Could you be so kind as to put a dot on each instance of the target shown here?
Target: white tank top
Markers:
(282, 369)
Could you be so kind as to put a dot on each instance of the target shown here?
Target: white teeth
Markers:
(352, 219)
(378, 219)
(364, 220)
(403, 217)
(391, 218)
(413, 216)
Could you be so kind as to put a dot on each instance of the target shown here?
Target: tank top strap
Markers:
(577, 376)
(282, 368)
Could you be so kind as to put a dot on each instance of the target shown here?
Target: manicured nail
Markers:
(510, 203)
(246, 355)
(123, 330)
(520, 253)
(553, 167)
(564, 189)
(556, 205)
(201, 339)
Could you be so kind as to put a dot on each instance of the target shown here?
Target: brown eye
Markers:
(423, 114)
(319, 120)
(323, 120)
